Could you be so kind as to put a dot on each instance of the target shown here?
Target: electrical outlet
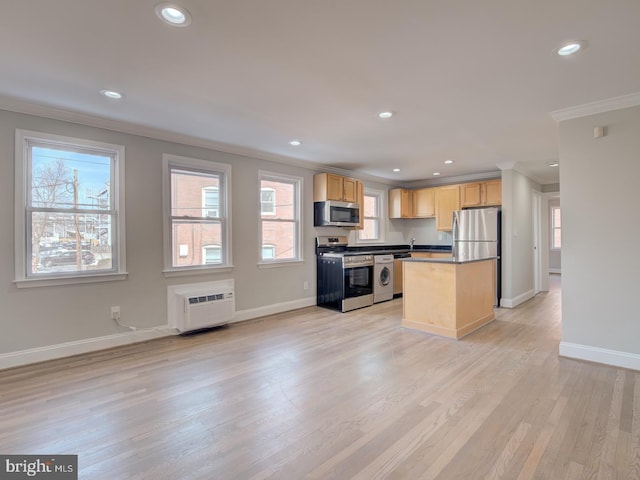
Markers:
(115, 313)
(305, 285)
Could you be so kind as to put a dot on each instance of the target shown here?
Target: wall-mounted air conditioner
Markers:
(201, 305)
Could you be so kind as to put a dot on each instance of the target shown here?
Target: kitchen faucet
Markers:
(411, 242)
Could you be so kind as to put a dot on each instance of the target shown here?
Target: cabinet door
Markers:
(447, 201)
(360, 195)
(397, 276)
(334, 187)
(470, 195)
(493, 192)
(349, 190)
(424, 203)
(400, 201)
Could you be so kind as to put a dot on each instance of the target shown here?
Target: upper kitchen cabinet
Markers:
(400, 203)
(424, 203)
(447, 201)
(481, 194)
(329, 186)
(360, 197)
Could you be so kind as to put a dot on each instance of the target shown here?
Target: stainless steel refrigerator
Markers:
(476, 235)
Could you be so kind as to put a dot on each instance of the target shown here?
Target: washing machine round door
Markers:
(385, 276)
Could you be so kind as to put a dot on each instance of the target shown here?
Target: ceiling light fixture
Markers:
(396, 170)
(553, 164)
(112, 94)
(571, 48)
(435, 174)
(385, 114)
(295, 143)
(448, 162)
(173, 14)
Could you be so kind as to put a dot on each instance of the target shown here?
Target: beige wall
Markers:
(45, 316)
(601, 227)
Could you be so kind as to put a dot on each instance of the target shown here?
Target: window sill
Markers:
(54, 281)
(281, 263)
(197, 271)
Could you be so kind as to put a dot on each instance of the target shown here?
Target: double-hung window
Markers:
(69, 210)
(280, 218)
(196, 204)
(556, 228)
(372, 212)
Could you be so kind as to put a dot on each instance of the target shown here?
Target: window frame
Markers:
(380, 196)
(169, 162)
(23, 171)
(553, 228)
(298, 183)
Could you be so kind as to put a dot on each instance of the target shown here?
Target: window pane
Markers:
(196, 235)
(268, 201)
(54, 243)
(268, 252)
(284, 193)
(282, 236)
(187, 191)
(557, 238)
(370, 231)
(210, 202)
(66, 179)
(370, 206)
(557, 218)
(212, 254)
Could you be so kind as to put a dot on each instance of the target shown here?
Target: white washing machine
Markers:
(382, 278)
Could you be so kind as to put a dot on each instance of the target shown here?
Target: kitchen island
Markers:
(448, 297)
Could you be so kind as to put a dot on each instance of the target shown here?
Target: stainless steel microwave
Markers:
(338, 214)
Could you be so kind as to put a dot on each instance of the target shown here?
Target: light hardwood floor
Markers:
(318, 394)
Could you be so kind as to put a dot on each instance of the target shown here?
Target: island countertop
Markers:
(447, 260)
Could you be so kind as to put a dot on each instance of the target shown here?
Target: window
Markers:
(197, 224)
(556, 228)
(212, 254)
(267, 201)
(372, 217)
(210, 202)
(280, 218)
(72, 194)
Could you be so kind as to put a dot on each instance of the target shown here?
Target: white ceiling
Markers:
(472, 81)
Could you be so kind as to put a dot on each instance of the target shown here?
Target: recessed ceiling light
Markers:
(553, 164)
(112, 94)
(435, 174)
(570, 48)
(448, 162)
(295, 143)
(385, 114)
(173, 14)
(396, 169)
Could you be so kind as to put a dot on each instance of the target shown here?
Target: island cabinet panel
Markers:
(447, 201)
(447, 298)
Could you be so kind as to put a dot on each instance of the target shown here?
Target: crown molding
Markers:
(600, 106)
(440, 181)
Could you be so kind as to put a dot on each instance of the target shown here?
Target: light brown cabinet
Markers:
(430, 255)
(329, 186)
(397, 276)
(400, 203)
(481, 194)
(424, 204)
(447, 201)
(360, 201)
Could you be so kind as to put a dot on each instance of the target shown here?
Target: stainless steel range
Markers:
(344, 280)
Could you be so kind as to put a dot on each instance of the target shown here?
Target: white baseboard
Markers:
(514, 302)
(600, 355)
(555, 270)
(251, 313)
(51, 352)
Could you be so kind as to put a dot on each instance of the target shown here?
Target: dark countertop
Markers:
(397, 249)
(446, 260)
